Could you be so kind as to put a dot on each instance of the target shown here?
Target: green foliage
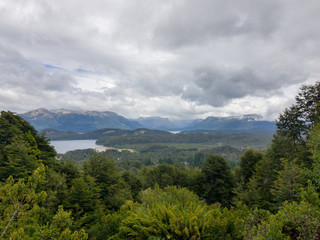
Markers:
(177, 213)
(293, 221)
(288, 183)
(114, 190)
(258, 191)
(297, 121)
(24, 217)
(218, 181)
(100, 133)
(20, 159)
(198, 159)
(253, 222)
(109, 225)
(78, 156)
(54, 184)
(18, 202)
(152, 154)
(314, 142)
(248, 162)
(163, 175)
(230, 154)
(284, 146)
(310, 195)
(84, 198)
(230, 139)
(281, 147)
(60, 228)
(69, 170)
(102, 168)
(21, 148)
(133, 182)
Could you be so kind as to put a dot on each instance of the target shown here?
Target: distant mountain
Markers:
(87, 121)
(244, 123)
(192, 125)
(182, 123)
(100, 133)
(77, 121)
(157, 123)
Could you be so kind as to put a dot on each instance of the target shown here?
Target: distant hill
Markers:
(77, 121)
(157, 123)
(247, 123)
(100, 133)
(239, 140)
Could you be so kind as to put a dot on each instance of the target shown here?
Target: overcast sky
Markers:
(177, 59)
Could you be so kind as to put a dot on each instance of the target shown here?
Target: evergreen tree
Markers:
(163, 175)
(248, 162)
(297, 120)
(288, 183)
(313, 173)
(295, 123)
(258, 191)
(217, 181)
(114, 190)
(23, 215)
(84, 200)
(133, 182)
(21, 148)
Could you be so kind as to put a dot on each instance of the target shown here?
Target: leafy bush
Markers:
(177, 213)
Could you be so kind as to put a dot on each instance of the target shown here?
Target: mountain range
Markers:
(77, 121)
(244, 123)
(88, 121)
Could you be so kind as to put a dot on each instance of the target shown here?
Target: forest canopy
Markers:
(269, 195)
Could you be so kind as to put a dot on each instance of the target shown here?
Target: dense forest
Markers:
(154, 154)
(234, 139)
(100, 133)
(270, 195)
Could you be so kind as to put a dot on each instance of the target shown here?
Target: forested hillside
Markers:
(100, 133)
(233, 139)
(271, 195)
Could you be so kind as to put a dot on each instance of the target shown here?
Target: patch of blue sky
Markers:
(52, 67)
(84, 71)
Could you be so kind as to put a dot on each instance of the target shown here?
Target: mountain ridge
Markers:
(243, 123)
(86, 121)
(77, 121)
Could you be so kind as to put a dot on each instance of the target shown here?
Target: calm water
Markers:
(69, 145)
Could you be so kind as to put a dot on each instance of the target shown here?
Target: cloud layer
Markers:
(177, 59)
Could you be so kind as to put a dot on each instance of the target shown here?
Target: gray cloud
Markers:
(141, 56)
(191, 22)
(218, 87)
(19, 73)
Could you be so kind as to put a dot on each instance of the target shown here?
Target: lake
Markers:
(69, 145)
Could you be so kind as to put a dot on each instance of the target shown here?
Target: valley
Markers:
(226, 136)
